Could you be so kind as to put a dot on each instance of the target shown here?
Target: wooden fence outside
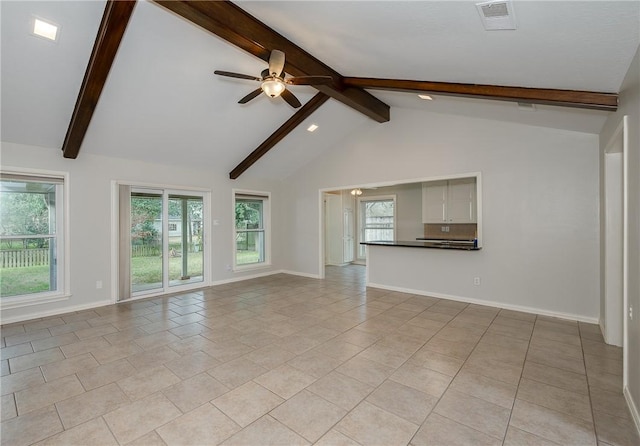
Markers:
(145, 250)
(20, 258)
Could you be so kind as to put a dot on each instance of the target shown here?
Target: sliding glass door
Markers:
(161, 240)
(185, 239)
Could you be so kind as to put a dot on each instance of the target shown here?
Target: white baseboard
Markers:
(41, 314)
(602, 330)
(633, 408)
(297, 273)
(247, 277)
(488, 303)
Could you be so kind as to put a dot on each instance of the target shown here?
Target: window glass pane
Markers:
(185, 240)
(26, 266)
(250, 230)
(249, 247)
(249, 213)
(146, 242)
(28, 244)
(27, 208)
(376, 222)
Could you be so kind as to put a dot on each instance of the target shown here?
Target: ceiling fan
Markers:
(274, 81)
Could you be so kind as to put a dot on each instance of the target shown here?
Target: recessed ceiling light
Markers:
(426, 97)
(312, 128)
(45, 29)
(525, 106)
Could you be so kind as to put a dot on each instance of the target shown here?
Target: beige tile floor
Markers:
(289, 360)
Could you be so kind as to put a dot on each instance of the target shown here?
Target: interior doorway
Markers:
(338, 228)
(613, 282)
(615, 299)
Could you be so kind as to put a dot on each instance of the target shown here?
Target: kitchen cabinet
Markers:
(339, 228)
(449, 201)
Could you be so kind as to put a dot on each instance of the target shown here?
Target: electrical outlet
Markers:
(98, 284)
(476, 280)
(228, 267)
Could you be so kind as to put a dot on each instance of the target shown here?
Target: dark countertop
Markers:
(464, 246)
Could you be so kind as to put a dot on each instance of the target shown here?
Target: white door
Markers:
(333, 229)
(348, 240)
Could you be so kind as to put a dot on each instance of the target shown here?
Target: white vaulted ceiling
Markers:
(162, 102)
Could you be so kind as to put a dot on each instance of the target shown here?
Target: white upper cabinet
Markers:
(434, 202)
(449, 201)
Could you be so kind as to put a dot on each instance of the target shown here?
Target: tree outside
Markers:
(249, 231)
(27, 221)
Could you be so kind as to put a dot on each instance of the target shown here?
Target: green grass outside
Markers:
(35, 279)
(25, 280)
(149, 269)
(247, 257)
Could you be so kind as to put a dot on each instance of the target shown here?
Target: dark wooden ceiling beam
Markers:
(303, 113)
(114, 23)
(566, 98)
(241, 29)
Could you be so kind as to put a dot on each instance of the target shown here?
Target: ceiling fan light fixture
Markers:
(273, 87)
(356, 192)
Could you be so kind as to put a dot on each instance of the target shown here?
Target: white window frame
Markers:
(360, 218)
(266, 228)
(62, 291)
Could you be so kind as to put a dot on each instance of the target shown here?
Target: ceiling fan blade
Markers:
(276, 62)
(237, 75)
(309, 80)
(290, 98)
(250, 96)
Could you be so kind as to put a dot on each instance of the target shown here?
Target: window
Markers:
(376, 220)
(251, 236)
(173, 227)
(31, 237)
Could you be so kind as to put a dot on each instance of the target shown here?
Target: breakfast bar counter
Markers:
(437, 244)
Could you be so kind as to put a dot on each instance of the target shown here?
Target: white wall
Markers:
(90, 179)
(630, 105)
(540, 203)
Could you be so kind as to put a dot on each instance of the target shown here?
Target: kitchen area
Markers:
(441, 213)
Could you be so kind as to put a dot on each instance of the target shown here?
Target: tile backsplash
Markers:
(452, 231)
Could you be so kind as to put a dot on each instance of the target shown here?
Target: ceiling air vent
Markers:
(497, 15)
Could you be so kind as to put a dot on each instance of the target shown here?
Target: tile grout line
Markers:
(584, 362)
(454, 376)
(515, 397)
